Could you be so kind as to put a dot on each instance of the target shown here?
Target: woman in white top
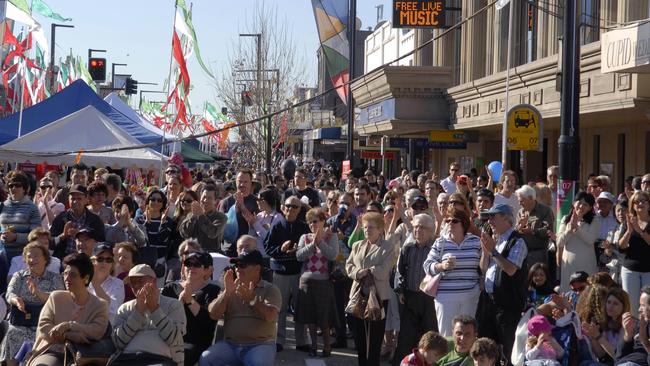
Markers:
(104, 285)
(47, 206)
(456, 256)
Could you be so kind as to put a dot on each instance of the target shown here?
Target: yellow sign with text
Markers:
(525, 128)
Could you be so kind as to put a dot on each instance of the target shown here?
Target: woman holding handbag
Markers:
(369, 266)
(27, 292)
(74, 315)
(455, 257)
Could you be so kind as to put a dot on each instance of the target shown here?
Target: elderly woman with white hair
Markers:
(418, 312)
(535, 225)
(456, 255)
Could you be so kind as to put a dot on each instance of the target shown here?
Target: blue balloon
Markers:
(495, 169)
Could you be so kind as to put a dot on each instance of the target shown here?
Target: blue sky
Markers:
(138, 33)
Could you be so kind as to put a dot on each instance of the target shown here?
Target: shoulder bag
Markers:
(429, 284)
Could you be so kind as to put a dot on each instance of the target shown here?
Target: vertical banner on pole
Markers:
(565, 196)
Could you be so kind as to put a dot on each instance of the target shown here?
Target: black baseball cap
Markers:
(102, 247)
(580, 276)
(78, 188)
(252, 257)
(87, 231)
(203, 258)
(420, 202)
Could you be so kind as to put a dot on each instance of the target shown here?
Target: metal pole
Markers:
(169, 86)
(52, 39)
(569, 141)
(352, 31)
(504, 133)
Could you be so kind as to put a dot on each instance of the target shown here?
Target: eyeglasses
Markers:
(452, 221)
(45, 187)
(454, 170)
(193, 264)
(186, 200)
(456, 202)
(389, 210)
(155, 199)
(171, 171)
(104, 259)
(14, 185)
(646, 182)
(291, 206)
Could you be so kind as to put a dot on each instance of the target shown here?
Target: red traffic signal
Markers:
(97, 68)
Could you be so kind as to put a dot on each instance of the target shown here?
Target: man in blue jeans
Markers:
(250, 308)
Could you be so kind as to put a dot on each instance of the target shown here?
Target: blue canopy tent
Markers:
(73, 98)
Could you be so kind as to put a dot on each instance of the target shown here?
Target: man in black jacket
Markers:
(281, 244)
(66, 225)
(504, 264)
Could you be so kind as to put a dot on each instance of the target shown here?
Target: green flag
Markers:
(21, 4)
(195, 42)
(42, 8)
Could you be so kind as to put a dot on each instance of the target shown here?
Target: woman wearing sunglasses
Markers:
(159, 231)
(316, 306)
(47, 206)
(456, 254)
(195, 292)
(104, 284)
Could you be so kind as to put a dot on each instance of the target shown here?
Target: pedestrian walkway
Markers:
(340, 356)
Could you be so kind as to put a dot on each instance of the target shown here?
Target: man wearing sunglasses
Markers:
(281, 244)
(250, 307)
(449, 183)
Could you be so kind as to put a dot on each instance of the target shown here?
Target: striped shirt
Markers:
(464, 277)
(158, 231)
(160, 332)
(22, 215)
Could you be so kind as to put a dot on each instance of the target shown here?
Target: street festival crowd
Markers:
(413, 270)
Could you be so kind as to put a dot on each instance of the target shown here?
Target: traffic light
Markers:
(246, 98)
(97, 68)
(131, 86)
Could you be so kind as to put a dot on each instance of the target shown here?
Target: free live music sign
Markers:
(418, 14)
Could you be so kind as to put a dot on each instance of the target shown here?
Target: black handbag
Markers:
(29, 318)
(93, 353)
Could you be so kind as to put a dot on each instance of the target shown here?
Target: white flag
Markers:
(501, 3)
(18, 15)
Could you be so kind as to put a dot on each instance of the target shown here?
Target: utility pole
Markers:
(52, 51)
(260, 91)
(569, 141)
(352, 36)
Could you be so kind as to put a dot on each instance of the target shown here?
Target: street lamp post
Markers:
(52, 49)
(113, 73)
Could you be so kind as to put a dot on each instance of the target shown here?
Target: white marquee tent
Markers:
(86, 129)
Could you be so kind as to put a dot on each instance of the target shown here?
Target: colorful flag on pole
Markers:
(42, 8)
(184, 25)
(331, 20)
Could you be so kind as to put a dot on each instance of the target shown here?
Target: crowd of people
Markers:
(465, 270)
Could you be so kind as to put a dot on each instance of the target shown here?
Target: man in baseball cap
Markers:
(251, 306)
(605, 203)
(149, 329)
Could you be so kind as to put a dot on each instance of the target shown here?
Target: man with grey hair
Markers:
(534, 224)
(504, 263)
(645, 183)
(418, 314)
(552, 175)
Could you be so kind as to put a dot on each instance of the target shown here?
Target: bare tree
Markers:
(282, 69)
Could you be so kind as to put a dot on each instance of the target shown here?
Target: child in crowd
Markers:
(484, 352)
(578, 282)
(431, 348)
(539, 286)
(541, 347)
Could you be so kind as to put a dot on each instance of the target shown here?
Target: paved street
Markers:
(290, 356)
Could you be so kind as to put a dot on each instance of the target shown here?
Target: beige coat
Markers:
(380, 258)
(91, 320)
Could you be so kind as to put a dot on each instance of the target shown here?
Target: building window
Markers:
(590, 21)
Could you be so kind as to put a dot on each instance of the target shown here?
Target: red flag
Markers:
(177, 51)
(19, 48)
